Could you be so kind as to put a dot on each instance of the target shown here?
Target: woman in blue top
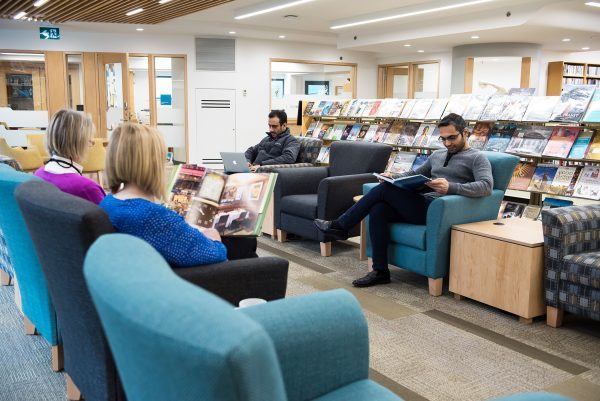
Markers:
(135, 172)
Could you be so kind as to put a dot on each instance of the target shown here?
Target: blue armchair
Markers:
(174, 341)
(39, 314)
(426, 249)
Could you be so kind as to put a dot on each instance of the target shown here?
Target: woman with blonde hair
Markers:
(69, 137)
(135, 164)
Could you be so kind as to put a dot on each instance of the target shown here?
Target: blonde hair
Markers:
(136, 155)
(69, 134)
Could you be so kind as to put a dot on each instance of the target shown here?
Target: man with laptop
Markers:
(279, 147)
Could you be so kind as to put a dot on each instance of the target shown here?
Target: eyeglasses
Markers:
(450, 138)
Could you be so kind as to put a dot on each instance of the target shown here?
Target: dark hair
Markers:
(454, 120)
(280, 114)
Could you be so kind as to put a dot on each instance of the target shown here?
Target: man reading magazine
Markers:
(457, 169)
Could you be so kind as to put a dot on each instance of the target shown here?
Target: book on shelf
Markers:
(542, 178)
(353, 108)
(318, 108)
(337, 131)
(512, 210)
(375, 108)
(592, 114)
(574, 180)
(500, 137)
(588, 183)
(385, 108)
(354, 131)
(308, 108)
(475, 106)
(325, 111)
(434, 139)
(345, 106)
(521, 177)
(403, 162)
(540, 108)
(394, 132)
(420, 109)
(407, 109)
(371, 133)
(335, 109)
(457, 104)
(531, 212)
(573, 69)
(346, 132)
(364, 128)
(436, 111)
(412, 182)
(521, 91)
(481, 132)
(323, 156)
(361, 105)
(493, 108)
(593, 151)
(323, 131)
(311, 128)
(381, 133)
(419, 161)
(573, 103)
(234, 205)
(561, 141)
(562, 180)
(529, 140)
(369, 104)
(407, 137)
(515, 107)
(581, 144)
(423, 134)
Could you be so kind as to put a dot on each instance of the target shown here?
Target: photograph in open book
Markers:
(185, 183)
(234, 205)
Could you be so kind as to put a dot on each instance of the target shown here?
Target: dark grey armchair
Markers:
(62, 228)
(304, 194)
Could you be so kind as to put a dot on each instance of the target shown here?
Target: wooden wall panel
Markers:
(525, 71)
(469, 65)
(56, 73)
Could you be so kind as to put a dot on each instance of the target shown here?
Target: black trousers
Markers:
(240, 247)
(385, 204)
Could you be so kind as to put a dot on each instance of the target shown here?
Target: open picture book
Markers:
(412, 182)
(234, 205)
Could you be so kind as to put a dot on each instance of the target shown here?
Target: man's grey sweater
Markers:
(468, 172)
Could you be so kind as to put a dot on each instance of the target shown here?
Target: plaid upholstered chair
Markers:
(572, 262)
(307, 155)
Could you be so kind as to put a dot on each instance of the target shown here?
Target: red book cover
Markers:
(560, 141)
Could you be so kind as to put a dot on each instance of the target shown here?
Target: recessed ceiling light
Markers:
(281, 36)
(134, 12)
(474, 37)
(266, 7)
(20, 15)
(139, 29)
(232, 32)
(593, 3)
(407, 45)
(566, 40)
(585, 48)
(420, 51)
(163, 1)
(40, 3)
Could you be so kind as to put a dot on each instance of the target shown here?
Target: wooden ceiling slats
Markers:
(111, 11)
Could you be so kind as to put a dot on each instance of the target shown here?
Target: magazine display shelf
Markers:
(532, 197)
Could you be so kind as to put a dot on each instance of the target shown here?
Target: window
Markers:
(316, 87)
(277, 88)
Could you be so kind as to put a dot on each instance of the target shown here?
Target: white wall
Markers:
(502, 71)
(251, 75)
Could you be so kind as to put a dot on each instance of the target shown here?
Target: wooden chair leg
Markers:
(29, 327)
(554, 316)
(325, 248)
(5, 278)
(281, 235)
(435, 286)
(73, 393)
(458, 296)
(57, 358)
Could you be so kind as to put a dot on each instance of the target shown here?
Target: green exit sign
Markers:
(49, 33)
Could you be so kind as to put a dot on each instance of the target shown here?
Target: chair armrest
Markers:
(321, 341)
(335, 194)
(264, 277)
(298, 181)
(272, 167)
(446, 211)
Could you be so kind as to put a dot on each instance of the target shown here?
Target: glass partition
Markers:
(170, 103)
(23, 81)
(496, 74)
(425, 80)
(140, 89)
(292, 81)
(75, 85)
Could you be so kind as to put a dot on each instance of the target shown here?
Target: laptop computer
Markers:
(234, 162)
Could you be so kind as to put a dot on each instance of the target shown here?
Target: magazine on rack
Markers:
(412, 182)
(234, 205)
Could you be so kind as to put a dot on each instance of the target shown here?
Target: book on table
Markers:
(234, 205)
(411, 182)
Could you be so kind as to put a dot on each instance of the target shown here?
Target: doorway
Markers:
(215, 123)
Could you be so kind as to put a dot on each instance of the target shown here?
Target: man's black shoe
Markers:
(373, 278)
(325, 227)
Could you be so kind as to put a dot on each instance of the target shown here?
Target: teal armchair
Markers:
(172, 340)
(426, 249)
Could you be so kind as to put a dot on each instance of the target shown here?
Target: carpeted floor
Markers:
(422, 347)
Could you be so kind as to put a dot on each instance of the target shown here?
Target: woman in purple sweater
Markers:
(69, 137)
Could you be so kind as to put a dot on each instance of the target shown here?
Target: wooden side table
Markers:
(363, 232)
(500, 265)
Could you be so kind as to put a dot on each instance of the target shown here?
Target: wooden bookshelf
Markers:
(561, 72)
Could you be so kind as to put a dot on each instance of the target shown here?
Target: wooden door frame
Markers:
(104, 58)
(470, 67)
(382, 76)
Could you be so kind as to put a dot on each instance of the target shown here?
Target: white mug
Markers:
(244, 303)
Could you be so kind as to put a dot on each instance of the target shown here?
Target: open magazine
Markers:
(234, 205)
(412, 182)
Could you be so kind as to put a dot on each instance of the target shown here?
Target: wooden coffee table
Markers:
(500, 265)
